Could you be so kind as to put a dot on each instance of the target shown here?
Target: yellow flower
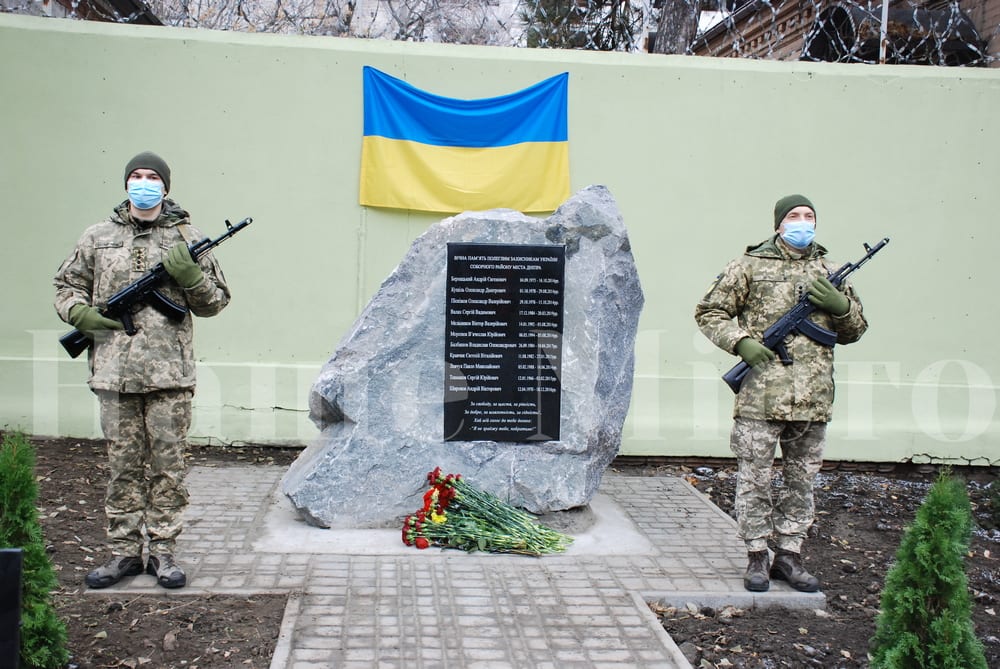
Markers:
(438, 518)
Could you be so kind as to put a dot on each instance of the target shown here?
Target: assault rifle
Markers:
(797, 320)
(145, 291)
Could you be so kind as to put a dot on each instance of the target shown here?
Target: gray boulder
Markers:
(379, 400)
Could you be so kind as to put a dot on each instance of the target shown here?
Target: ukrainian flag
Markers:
(431, 153)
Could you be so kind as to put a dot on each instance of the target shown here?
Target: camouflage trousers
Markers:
(761, 517)
(146, 496)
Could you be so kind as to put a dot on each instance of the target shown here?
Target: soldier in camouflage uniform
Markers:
(786, 405)
(144, 383)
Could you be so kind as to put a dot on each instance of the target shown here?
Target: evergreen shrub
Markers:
(926, 616)
(43, 634)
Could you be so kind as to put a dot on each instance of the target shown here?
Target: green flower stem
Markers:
(478, 520)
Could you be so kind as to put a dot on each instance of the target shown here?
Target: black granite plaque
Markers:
(503, 342)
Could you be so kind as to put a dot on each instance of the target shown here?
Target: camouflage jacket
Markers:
(114, 253)
(752, 293)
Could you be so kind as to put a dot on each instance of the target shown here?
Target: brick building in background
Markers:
(920, 33)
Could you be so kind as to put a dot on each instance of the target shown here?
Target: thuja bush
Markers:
(926, 616)
(43, 634)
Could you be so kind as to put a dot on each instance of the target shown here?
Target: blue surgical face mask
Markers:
(799, 234)
(145, 194)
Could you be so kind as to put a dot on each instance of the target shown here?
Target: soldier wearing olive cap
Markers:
(145, 382)
(779, 405)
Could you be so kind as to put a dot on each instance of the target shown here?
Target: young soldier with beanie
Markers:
(145, 382)
(778, 404)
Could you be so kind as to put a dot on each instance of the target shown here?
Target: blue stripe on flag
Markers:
(396, 110)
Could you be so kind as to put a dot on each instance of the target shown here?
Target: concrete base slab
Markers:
(609, 531)
(779, 595)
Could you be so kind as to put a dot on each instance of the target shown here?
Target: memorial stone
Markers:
(380, 401)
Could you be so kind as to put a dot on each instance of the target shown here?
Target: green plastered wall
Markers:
(695, 151)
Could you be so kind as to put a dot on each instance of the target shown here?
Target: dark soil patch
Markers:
(171, 630)
(860, 518)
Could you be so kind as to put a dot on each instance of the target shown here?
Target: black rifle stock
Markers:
(145, 291)
(797, 320)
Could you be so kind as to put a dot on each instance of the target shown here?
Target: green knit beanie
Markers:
(786, 204)
(148, 160)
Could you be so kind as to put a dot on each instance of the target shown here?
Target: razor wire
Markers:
(910, 32)
(939, 32)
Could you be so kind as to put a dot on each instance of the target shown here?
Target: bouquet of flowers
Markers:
(457, 515)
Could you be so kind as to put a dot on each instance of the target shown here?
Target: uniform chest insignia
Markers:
(138, 259)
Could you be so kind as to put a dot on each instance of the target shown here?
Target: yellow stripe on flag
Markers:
(410, 175)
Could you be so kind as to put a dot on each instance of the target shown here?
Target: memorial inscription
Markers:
(503, 342)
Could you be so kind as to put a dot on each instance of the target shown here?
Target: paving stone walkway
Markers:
(360, 599)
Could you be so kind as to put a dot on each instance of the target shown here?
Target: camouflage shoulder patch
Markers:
(714, 285)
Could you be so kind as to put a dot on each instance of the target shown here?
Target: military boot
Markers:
(113, 571)
(788, 567)
(755, 579)
(167, 572)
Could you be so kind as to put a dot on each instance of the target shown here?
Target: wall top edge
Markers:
(563, 57)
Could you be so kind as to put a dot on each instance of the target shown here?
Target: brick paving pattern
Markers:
(448, 609)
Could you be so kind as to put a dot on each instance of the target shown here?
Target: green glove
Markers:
(88, 320)
(182, 267)
(825, 295)
(753, 352)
